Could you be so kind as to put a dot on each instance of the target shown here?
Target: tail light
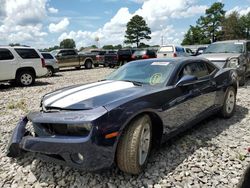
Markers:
(145, 56)
(43, 62)
(175, 55)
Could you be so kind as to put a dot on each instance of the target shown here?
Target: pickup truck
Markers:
(71, 58)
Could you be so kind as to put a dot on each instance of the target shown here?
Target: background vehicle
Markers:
(120, 119)
(189, 52)
(200, 51)
(105, 57)
(232, 54)
(21, 64)
(71, 58)
(125, 55)
(143, 54)
(171, 51)
(111, 59)
(50, 63)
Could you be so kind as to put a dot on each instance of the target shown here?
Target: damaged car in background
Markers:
(120, 119)
(232, 54)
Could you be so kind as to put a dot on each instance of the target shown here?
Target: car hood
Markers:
(90, 96)
(219, 56)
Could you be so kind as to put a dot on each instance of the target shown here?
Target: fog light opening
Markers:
(77, 158)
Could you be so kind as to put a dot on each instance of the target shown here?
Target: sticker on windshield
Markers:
(155, 79)
(160, 63)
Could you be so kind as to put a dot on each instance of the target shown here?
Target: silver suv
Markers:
(50, 63)
(233, 54)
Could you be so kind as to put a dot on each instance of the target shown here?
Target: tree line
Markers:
(215, 25)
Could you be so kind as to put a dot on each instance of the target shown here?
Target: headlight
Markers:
(233, 63)
(79, 129)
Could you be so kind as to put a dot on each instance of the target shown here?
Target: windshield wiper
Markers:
(137, 83)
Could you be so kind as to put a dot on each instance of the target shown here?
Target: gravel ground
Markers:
(212, 154)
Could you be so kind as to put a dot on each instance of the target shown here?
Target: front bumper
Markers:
(61, 149)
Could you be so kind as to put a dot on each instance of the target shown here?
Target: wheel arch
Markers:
(157, 126)
(88, 59)
(25, 69)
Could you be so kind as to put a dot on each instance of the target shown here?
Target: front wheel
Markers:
(229, 104)
(25, 78)
(134, 146)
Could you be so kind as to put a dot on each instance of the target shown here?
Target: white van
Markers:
(171, 51)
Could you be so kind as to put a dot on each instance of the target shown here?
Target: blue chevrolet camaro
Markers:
(119, 119)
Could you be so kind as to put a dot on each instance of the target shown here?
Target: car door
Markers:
(190, 100)
(8, 64)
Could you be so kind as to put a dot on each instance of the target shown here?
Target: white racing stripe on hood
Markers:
(91, 92)
(70, 91)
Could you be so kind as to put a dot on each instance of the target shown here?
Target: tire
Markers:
(130, 157)
(111, 66)
(50, 72)
(25, 78)
(229, 103)
(78, 68)
(106, 64)
(88, 64)
(96, 65)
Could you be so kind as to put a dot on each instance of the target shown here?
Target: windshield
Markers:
(232, 47)
(54, 52)
(145, 72)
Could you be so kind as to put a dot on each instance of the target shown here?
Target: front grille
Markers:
(63, 130)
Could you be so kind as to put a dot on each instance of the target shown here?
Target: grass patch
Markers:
(19, 105)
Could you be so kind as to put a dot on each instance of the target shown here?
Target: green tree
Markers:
(68, 43)
(212, 21)
(233, 27)
(108, 47)
(137, 30)
(245, 25)
(119, 46)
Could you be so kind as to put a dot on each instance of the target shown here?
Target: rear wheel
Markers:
(25, 78)
(229, 104)
(78, 68)
(88, 64)
(50, 71)
(96, 65)
(134, 146)
(106, 64)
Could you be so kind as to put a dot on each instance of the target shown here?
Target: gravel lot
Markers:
(212, 154)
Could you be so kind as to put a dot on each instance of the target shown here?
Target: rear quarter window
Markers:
(47, 56)
(27, 53)
(5, 54)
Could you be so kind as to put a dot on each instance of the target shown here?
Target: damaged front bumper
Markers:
(75, 151)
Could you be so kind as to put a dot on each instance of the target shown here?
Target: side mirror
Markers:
(186, 80)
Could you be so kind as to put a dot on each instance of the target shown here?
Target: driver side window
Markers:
(198, 69)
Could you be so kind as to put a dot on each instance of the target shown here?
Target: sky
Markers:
(44, 23)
